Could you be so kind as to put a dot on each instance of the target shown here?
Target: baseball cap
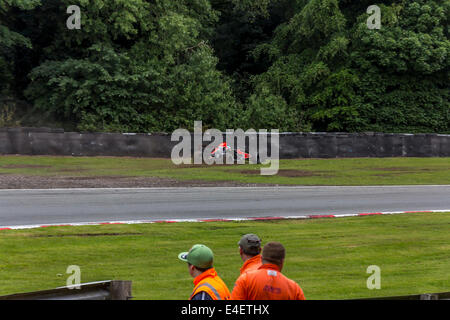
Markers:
(199, 255)
(250, 243)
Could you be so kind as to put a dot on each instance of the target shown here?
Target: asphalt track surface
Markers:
(27, 207)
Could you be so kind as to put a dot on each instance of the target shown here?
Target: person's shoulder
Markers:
(293, 284)
(242, 277)
(202, 295)
(253, 266)
(288, 281)
(248, 276)
(255, 272)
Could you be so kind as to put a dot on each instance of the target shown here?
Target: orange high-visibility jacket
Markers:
(212, 284)
(266, 283)
(251, 264)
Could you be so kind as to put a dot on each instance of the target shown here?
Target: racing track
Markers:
(58, 206)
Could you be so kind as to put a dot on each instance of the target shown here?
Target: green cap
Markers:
(200, 256)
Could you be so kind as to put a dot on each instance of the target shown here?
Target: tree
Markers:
(134, 66)
(302, 65)
(329, 66)
(304, 52)
(404, 68)
(10, 40)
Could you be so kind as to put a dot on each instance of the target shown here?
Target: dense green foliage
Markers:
(10, 40)
(157, 65)
(335, 74)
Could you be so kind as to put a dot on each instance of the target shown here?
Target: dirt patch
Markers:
(297, 173)
(287, 173)
(23, 166)
(96, 178)
(84, 235)
(203, 165)
(12, 181)
(397, 171)
(71, 170)
(409, 169)
(393, 169)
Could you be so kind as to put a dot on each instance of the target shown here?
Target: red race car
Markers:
(225, 151)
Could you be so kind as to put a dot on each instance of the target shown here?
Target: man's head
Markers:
(199, 258)
(273, 252)
(249, 246)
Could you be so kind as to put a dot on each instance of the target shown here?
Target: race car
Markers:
(225, 151)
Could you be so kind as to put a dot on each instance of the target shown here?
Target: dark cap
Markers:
(273, 252)
(250, 243)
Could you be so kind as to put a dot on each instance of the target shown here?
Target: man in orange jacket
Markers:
(250, 251)
(208, 285)
(268, 283)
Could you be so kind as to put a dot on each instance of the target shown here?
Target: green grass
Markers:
(354, 171)
(327, 257)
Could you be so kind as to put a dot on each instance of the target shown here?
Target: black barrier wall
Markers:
(45, 141)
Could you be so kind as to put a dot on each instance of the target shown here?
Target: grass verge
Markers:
(354, 171)
(327, 257)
